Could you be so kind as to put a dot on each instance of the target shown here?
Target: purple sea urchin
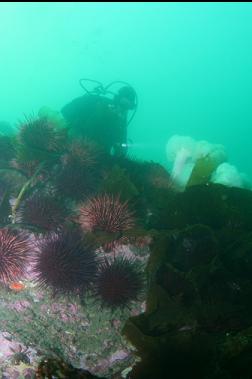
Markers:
(39, 140)
(119, 282)
(44, 211)
(78, 174)
(14, 254)
(66, 263)
(75, 180)
(41, 134)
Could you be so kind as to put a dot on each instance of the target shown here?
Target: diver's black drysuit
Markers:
(97, 118)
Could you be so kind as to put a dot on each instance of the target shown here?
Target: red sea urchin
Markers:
(85, 151)
(14, 254)
(119, 282)
(105, 213)
(66, 263)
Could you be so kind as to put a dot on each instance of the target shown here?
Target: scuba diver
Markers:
(102, 115)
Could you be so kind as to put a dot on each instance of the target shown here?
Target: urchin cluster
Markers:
(15, 251)
(105, 213)
(119, 282)
(66, 263)
(44, 211)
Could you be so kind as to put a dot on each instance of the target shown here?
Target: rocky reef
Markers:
(108, 269)
(198, 314)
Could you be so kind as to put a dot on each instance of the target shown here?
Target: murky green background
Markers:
(189, 62)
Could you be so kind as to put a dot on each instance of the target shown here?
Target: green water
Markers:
(190, 64)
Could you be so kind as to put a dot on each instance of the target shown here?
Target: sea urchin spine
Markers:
(43, 211)
(66, 263)
(14, 254)
(119, 282)
(105, 213)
